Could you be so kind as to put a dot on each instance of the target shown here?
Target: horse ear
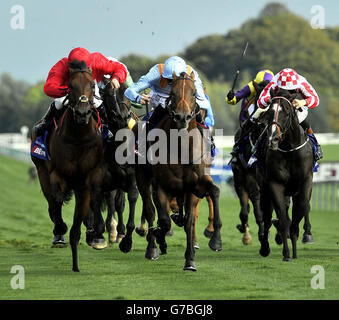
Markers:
(256, 86)
(174, 76)
(192, 76)
(271, 92)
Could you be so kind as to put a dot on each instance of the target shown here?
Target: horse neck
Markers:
(294, 135)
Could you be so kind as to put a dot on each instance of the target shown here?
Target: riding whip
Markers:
(238, 69)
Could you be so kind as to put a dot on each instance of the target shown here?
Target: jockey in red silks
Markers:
(289, 79)
(56, 85)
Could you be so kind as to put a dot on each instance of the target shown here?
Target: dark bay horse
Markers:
(76, 159)
(118, 178)
(288, 164)
(185, 181)
(246, 179)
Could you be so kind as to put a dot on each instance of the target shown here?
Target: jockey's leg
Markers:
(54, 111)
(199, 119)
(307, 128)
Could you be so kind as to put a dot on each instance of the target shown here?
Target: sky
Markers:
(50, 29)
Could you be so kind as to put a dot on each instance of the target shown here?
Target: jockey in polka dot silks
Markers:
(289, 79)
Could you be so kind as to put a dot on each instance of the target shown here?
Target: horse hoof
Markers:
(119, 238)
(152, 253)
(240, 228)
(307, 239)
(75, 269)
(215, 244)
(264, 252)
(177, 219)
(208, 234)
(170, 233)
(125, 245)
(196, 245)
(278, 239)
(59, 241)
(99, 244)
(190, 266)
(287, 259)
(141, 232)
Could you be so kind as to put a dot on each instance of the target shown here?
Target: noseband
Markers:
(175, 115)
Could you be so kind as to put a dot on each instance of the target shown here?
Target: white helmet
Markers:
(174, 64)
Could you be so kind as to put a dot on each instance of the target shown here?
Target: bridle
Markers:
(276, 123)
(82, 98)
(169, 102)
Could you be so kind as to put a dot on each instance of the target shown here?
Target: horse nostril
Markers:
(177, 118)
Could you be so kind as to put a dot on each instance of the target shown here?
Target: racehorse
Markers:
(288, 171)
(118, 177)
(246, 182)
(186, 181)
(177, 215)
(76, 159)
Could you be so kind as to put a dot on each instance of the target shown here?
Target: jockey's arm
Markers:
(145, 82)
(116, 69)
(56, 85)
(311, 96)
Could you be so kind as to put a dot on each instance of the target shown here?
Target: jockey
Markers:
(247, 94)
(289, 79)
(159, 78)
(56, 85)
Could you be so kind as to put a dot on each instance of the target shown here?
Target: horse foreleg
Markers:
(120, 201)
(126, 242)
(111, 223)
(55, 200)
(254, 195)
(209, 229)
(280, 207)
(161, 202)
(196, 215)
(82, 202)
(144, 185)
(307, 236)
(267, 210)
(214, 192)
(189, 222)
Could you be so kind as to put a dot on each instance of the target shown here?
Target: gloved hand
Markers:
(298, 103)
(230, 95)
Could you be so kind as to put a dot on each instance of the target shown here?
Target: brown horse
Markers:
(76, 159)
(177, 219)
(187, 181)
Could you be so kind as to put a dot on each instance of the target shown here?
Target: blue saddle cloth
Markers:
(39, 146)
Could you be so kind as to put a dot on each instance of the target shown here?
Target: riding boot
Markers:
(319, 153)
(51, 113)
(201, 126)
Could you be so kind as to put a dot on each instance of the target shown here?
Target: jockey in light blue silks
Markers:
(159, 79)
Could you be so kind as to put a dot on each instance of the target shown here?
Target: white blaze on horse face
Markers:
(277, 109)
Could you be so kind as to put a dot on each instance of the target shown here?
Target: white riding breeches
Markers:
(58, 102)
(302, 115)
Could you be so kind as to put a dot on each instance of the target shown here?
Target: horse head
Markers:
(116, 106)
(181, 103)
(280, 117)
(81, 86)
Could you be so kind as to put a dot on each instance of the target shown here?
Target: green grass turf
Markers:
(237, 272)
